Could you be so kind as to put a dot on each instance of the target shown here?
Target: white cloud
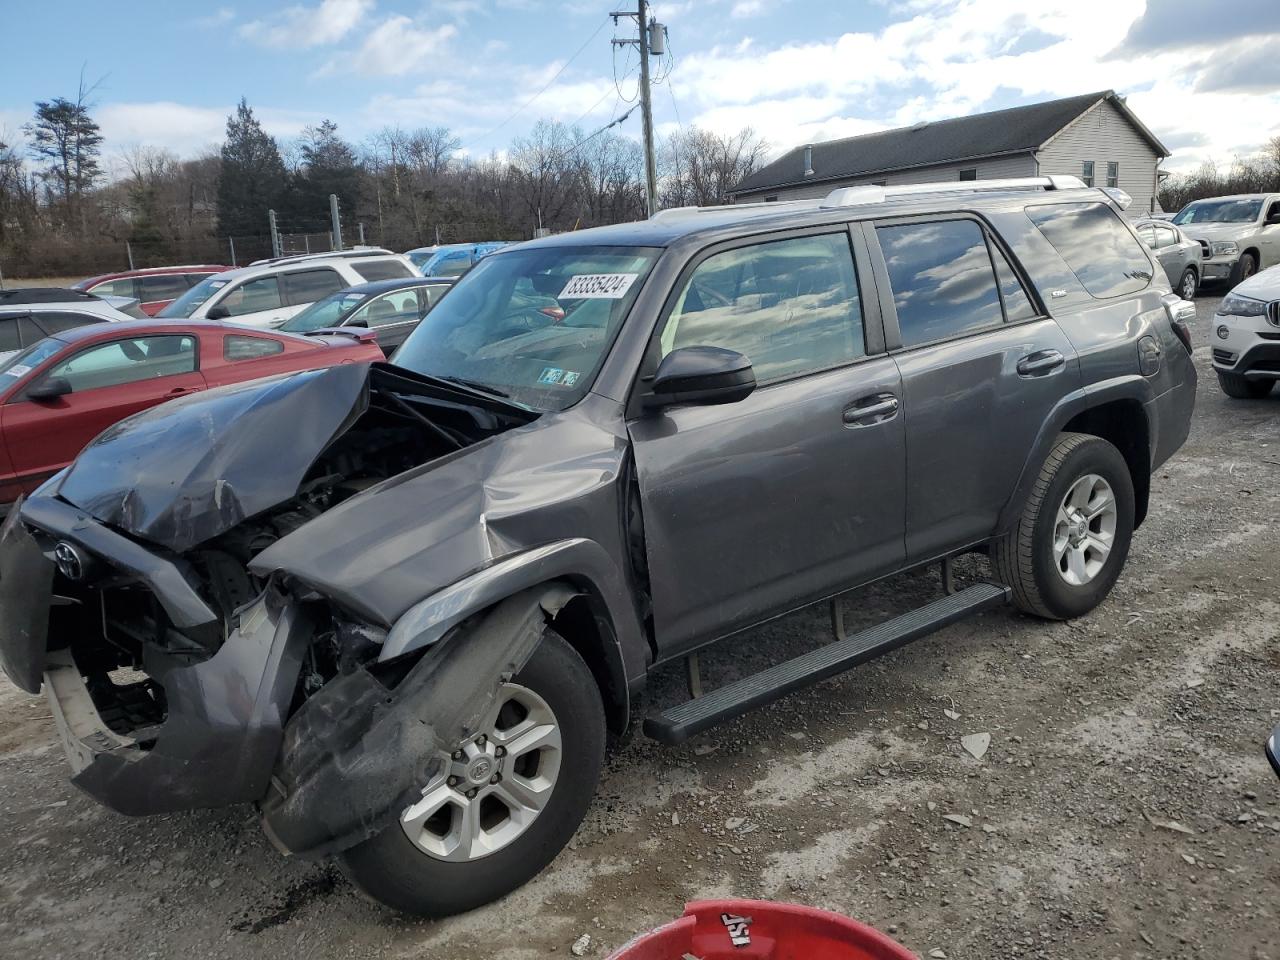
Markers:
(219, 18)
(302, 26)
(396, 47)
(747, 8)
(183, 129)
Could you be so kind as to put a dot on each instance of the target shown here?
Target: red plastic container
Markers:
(740, 929)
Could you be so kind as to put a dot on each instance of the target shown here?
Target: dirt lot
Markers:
(1104, 732)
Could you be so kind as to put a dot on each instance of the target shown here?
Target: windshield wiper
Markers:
(477, 385)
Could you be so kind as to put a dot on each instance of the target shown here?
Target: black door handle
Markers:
(869, 410)
(1040, 362)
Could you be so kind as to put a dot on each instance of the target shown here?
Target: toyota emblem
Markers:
(70, 563)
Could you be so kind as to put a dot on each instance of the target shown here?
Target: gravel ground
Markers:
(1124, 808)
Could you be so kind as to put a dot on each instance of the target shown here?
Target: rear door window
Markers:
(381, 269)
(9, 338)
(1105, 257)
(161, 287)
(942, 278)
(307, 286)
(790, 306)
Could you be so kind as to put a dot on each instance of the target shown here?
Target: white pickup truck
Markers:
(1238, 235)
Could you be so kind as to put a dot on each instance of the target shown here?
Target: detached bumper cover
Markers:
(222, 733)
(26, 587)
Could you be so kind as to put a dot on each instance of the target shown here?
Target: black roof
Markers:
(396, 283)
(44, 295)
(998, 133)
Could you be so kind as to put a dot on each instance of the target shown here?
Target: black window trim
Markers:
(893, 334)
(57, 360)
(872, 327)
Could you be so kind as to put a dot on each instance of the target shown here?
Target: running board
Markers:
(678, 723)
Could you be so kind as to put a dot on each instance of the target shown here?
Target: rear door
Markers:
(108, 381)
(752, 508)
(301, 288)
(981, 363)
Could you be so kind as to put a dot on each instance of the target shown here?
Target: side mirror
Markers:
(357, 322)
(1273, 218)
(701, 375)
(50, 388)
(218, 313)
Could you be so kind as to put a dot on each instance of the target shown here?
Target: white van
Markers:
(268, 292)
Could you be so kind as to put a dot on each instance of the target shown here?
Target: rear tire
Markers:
(1187, 284)
(1038, 558)
(1242, 388)
(394, 870)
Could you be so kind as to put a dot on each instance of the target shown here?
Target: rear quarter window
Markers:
(1105, 257)
(237, 347)
(382, 270)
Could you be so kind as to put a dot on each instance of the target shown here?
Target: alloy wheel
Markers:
(490, 790)
(1084, 530)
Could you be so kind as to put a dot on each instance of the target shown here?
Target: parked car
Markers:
(268, 292)
(28, 317)
(62, 391)
(455, 259)
(400, 606)
(418, 256)
(1177, 254)
(154, 287)
(390, 308)
(1246, 337)
(76, 299)
(1238, 235)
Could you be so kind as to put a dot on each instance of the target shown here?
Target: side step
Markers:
(685, 720)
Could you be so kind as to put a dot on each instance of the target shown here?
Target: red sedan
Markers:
(155, 287)
(62, 392)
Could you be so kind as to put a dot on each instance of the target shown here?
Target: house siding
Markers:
(1102, 134)
(995, 168)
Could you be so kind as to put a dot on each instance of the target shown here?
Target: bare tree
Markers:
(701, 168)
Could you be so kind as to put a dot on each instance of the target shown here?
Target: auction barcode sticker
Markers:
(598, 286)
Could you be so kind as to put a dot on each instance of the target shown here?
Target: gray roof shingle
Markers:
(991, 134)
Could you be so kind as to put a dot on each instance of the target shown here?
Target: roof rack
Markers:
(325, 255)
(857, 196)
(26, 295)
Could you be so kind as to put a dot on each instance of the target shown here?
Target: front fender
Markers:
(1129, 387)
(583, 563)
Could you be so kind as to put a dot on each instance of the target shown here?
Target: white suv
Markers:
(268, 292)
(1246, 337)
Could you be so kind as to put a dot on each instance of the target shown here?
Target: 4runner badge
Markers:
(739, 929)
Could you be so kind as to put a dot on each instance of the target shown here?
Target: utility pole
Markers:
(645, 40)
(275, 234)
(336, 237)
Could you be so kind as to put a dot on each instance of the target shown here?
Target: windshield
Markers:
(1220, 211)
(19, 365)
(419, 257)
(329, 312)
(187, 304)
(533, 324)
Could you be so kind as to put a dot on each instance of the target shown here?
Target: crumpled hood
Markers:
(1264, 285)
(1219, 231)
(190, 469)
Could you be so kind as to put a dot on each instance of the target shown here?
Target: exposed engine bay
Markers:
(401, 423)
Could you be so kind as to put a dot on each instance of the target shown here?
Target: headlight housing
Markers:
(1234, 305)
(1223, 248)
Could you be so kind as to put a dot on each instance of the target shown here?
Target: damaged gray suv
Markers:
(401, 607)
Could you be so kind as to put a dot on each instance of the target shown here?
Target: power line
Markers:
(544, 89)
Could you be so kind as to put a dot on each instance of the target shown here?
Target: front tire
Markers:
(1068, 547)
(1245, 268)
(450, 852)
(1242, 388)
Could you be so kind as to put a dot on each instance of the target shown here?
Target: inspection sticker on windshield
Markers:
(598, 286)
(554, 376)
(18, 370)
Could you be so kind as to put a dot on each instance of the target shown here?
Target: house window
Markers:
(970, 174)
(1113, 174)
(1086, 173)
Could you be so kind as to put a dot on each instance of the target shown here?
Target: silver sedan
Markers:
(1178, 254)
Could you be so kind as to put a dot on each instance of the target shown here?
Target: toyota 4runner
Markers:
(400, 606)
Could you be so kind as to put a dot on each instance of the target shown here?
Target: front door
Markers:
(796, 492)
(108, 382)
(981, 369)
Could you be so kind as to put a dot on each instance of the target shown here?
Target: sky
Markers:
(167, 74)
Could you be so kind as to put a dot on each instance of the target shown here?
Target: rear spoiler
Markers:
(359, 334)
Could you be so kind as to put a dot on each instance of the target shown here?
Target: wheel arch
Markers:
(1114, 410)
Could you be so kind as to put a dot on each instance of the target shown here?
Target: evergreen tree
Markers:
(252, 179)
(329, 166)
(64, 136)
